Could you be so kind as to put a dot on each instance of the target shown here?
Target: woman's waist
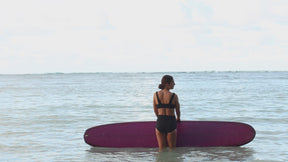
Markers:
(166, 116)
(167, 113)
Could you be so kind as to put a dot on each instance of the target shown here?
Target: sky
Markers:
(47, 36)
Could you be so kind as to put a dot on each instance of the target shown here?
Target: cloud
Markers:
(88, 35)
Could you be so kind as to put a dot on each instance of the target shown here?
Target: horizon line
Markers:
(119, 72)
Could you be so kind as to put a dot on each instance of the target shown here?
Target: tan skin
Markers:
(165, 96)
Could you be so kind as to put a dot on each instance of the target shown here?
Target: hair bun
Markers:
(161, 86)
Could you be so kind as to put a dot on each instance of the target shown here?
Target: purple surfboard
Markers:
(189, 134)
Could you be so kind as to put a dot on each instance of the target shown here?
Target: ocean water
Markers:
(44, 116)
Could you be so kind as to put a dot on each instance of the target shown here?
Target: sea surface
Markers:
(43, 116)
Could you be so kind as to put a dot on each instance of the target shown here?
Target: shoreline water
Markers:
(44, 116)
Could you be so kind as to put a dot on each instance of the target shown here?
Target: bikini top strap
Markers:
(171, 98)
(159, 102)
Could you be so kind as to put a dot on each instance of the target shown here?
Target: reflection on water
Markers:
(179, 154)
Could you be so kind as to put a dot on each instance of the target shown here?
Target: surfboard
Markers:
(189, 134)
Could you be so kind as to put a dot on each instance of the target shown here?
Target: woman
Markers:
(165, 103)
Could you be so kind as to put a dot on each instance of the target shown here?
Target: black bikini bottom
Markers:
(166, 124)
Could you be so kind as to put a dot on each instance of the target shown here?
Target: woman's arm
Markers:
(154, 105)
(177, 106)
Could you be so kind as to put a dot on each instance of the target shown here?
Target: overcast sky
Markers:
(46, 36)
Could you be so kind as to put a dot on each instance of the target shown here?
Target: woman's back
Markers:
(165, 102)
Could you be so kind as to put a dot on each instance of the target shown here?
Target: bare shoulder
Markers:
(175, 95)
(154, 96)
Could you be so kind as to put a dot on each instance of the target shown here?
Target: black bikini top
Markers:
(160, 105)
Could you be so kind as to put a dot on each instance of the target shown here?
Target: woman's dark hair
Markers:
(166, 79)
